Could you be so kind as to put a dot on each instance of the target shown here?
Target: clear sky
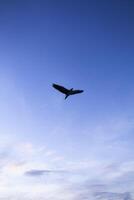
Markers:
(82, 147)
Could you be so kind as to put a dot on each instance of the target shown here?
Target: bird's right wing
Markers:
(77, 91)
(61, 88)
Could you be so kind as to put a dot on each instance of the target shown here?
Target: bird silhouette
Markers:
(66, 91)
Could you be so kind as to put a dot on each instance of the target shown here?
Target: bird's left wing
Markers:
(60, 88)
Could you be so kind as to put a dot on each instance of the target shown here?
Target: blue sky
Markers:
(83, 146)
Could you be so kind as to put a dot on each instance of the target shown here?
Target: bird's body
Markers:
(66, 91)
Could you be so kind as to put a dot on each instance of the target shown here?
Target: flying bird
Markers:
(66, 91)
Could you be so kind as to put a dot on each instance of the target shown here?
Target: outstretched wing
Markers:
(60, 88)
(76, 91)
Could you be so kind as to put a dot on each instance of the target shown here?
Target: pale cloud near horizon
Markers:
(13, 170)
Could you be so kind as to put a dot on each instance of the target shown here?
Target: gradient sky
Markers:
(82, 147)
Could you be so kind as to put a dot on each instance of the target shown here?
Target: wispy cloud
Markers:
(112, 196)
(85, 179)
(36, 172)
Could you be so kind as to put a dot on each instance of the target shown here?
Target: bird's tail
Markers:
(66, 96)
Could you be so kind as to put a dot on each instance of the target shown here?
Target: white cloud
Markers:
(54, 186)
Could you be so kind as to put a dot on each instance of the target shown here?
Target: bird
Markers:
(66, 91)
